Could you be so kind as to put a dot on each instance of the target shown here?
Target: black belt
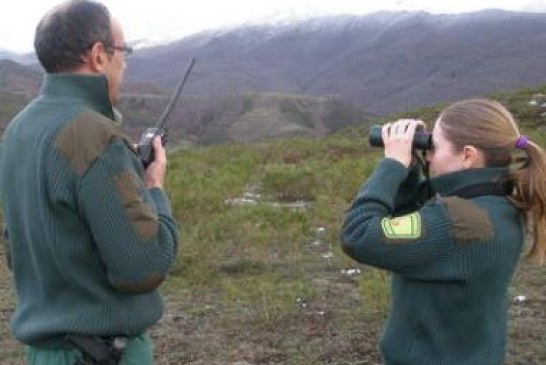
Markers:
(99, 350)
(106, 350)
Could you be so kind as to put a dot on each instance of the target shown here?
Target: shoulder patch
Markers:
(406, 227)
(470, 222)
(85, 138)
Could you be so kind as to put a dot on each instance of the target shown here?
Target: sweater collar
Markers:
(87, 88)
(449, 184)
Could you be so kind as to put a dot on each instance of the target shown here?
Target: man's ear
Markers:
(472, 157)
(96, 57)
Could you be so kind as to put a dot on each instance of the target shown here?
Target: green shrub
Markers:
(290, 183)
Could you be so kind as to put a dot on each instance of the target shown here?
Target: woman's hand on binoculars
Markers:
(398, 139)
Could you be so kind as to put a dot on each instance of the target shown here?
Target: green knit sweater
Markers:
(89, 242)
(451, 260)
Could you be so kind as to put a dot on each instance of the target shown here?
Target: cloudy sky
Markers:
(170, 19)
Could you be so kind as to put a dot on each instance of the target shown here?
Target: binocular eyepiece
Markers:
(422, 139)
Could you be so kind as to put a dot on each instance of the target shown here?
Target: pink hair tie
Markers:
(521, 143)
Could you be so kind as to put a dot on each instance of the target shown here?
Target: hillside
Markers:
(314, 77)
(383, 62)
(17, 78)
(241, 117)
(201, 119)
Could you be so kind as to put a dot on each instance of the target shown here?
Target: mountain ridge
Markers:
(358, 66)
(377, 61)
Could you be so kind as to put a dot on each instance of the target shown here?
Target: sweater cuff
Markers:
(385, 181)
(161, 200)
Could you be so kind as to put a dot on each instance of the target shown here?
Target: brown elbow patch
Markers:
(146, 285)
(470, 222)
(141, 215)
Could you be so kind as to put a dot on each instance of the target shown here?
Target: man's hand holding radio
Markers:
(154, 175)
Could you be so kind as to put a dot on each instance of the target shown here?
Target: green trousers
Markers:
(139, 351)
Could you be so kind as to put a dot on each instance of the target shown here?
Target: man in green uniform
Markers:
(90, 231)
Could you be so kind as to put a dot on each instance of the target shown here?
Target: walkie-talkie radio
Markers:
(145, 148)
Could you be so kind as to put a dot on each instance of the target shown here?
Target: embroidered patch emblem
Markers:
(404, 227)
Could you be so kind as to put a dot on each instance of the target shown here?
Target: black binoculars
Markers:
(422, 139)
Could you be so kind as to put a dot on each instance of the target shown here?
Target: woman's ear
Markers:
(472, 157)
